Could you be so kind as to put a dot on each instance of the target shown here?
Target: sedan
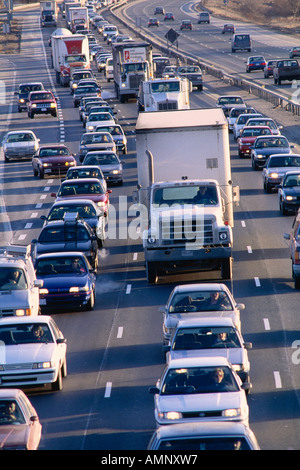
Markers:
(97, 108)
(43, 352)
(264, 121)
(289, 193)
(20, 144)
(169, 17)
(234, 114)
(92, 141)
(264, 146)
(255, 63)
(205, 436)
(153, 22)
(87, 171)
(241, 121)
(87, 91)
(276, 167)
(248, 136)
(84, 101)
(228, 102)
(200, 389)
(117, 134)
(85, 188)
(86, 210)
(52, 160)
(20, 427)
(268, 70)
(199, 300)
(294, 52)
(228, 28)
(201, 337)
(109, 163)
(186, 24)
(94, 119)
(69, 281)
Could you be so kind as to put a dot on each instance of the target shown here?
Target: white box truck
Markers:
(78, 16)
(185, 191)
(48, 12)
(69, 52)
(164, 94)
(132, 64)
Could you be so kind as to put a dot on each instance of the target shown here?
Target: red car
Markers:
(228, 28)
(52, 160)
(85, 188)
(248, 137)
(41, 102)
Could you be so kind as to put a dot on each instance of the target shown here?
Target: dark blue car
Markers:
(69, 281)
(255, 63)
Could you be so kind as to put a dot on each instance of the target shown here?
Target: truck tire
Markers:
(226, 268)
(151, 271)
(297, 282)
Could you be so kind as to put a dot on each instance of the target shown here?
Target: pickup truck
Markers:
(286, 69)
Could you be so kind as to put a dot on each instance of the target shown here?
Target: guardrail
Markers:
(278, 100)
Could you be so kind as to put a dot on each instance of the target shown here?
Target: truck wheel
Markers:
(297, 282)
(226, 268)
(151, 270)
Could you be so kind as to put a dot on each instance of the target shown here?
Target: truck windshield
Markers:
(135, 67)
(12, 279)
(202, 195)
(75, 58)
(165, 87)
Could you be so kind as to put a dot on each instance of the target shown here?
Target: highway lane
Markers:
(119, 343)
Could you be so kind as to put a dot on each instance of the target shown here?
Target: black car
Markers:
(23, 93)
(159, 11)
(289, 193)
(69, 234)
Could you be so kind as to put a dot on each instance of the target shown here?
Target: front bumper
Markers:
(27, 376)
(64, 300)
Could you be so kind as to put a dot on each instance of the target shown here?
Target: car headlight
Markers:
(170, 415)
(53, 105)
(90, 128)
(46, 164)
(78, 289)
(259, 155)
(43, 365)
(101, 204)
(151, 240)
(274, 175)
(33, 105)
(69, 163)
(23, 312)
(231, 412)
(74, 85)
(116, 172)
(290, 198)
(21, 100)
(44, 291)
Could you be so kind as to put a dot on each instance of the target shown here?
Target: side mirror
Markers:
(240, 306)
(43, 217)
(153, 390)
(248, 345)
(286, 236)
(38, 283)
(166, 348)
(61, 341)
(246, 386)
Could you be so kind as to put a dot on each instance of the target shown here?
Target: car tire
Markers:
(57, 385)
(6, 159)
(41, 174)
(91, 303)
(282, 208)
(267, 187)
(35, 172)
(254, 165)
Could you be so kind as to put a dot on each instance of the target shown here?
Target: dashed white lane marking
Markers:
(257, 281)
(108, 390)
(243, 223)
(266, 324)
(135, 255)
(249, 249)
(277, 378)
(120, 332)
(128, 289)
(28, 225)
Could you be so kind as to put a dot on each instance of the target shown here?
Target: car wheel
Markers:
(6, 159)
(64, 369)
(41, 174)
(91, 303)
(35, 172)
(282, 208)
(267, 187)
(254, 165)
(57, 385)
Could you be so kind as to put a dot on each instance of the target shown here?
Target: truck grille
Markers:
(176, 232)
(167, 105)
(135, 80)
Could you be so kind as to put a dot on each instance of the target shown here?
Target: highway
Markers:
(114, 352)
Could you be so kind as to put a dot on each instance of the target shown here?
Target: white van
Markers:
(109, 69)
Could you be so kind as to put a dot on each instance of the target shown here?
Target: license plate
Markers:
(43, 109)
(43, 302)
(47, 170)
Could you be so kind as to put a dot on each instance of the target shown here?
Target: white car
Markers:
(241, 122)
(264, 121)
(203, 337)
(33, 352)
(205, 436)
(234, 114)
(199, 300)
(20, 144)
(19, 287)
(200, 389)
(94, 119)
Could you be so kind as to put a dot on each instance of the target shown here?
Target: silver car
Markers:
(92, 141)
(109, 163)
(20, 144)
(276, 168)
(117, 134)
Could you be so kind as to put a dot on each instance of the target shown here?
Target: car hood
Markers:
(271, 150)
(20, 145)
(200, 401)
(281, 169)
(28, 353)
(55, 160)
(106, 168)
(91, 197)
(13, 435)
(63, 281)
(97, 146)
(293, 191)
(244, 140)
(234, 355)
(14, 299)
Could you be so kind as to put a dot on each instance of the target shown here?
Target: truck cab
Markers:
(163, 94)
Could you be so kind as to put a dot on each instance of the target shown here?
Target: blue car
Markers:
(69, 281)
(255, 63)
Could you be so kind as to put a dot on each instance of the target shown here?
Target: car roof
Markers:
(20, 131)
(272, 136)
(6, 393)
(183, 363)
(61, 254)
(204, 321)
(30, 319)
(207, 286)
(31, 83)
(102, 152)
(280, 155)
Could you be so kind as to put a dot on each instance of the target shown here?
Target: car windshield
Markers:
(12, 279)
(24, 333)
(255, 132)
(231, 100)
(134, 67)
(101, 159)
(271, 142)
(291, 180)
(84, 211)
(192, 380)
(244, 118)
(74, 188)
(100, 117)
(169, 196)
(284, 161)
(58, 266)
(205, 338)
(166, 87)
(29, 88)
(63, 234)
(81, 76)
(96, 139)
(204, 443)
(10, 413)
(200, 302)
(53, 152)
(20, 137)
(85, 173)
(41, 96)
